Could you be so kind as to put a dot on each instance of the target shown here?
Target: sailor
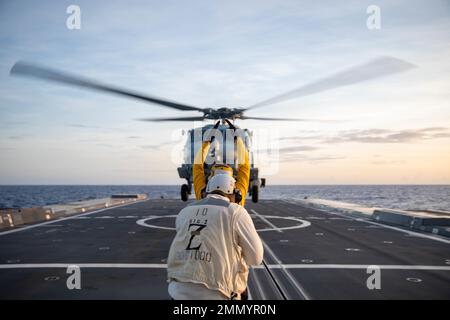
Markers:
(215, 244)
(242, 175)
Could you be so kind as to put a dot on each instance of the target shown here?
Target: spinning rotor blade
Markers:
(30, 70)
(172, 119)
(283, 119)
(376, 68)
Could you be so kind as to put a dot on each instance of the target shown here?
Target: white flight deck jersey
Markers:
(215, 243)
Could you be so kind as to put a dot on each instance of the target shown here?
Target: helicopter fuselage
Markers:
(222, 151)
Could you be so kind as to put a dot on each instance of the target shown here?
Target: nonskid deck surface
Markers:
(309, 254)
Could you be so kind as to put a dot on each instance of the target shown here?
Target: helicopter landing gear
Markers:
(185, 192)
(255, 193)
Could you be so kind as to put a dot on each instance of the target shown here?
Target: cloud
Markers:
(157, 146)
(12, 124)
(387, 136)
(288, 149)
(82, 126)
(441, 135)
(90, 140)
(377, 136)
(302, 153)
(293, 149)
(15, 137)
(434, 129)
(307, 158)
(106, 145)
(144, 171)
(301, 138)
(389, 162)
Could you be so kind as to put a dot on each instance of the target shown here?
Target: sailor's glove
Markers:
(203, 193)
(237, 196)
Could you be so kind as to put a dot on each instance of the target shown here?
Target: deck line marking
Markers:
(286, 272)
(271, 266)
(86, 265)
(258, 284)
(143, 222)
(303, 223)
(280, 289)
(249, 294)
(55, 226)
(266, 221)
(360, 266)
(417, 234)
(68, 218)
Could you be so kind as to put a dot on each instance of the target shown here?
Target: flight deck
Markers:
(308, 254)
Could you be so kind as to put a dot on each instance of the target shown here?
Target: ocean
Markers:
(405, 197)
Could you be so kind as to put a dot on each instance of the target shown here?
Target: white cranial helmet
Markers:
(221, 182)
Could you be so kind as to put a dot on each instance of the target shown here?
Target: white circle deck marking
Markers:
(302, 223)
(352, 249)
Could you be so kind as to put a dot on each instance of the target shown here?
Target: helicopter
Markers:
(222, 151)
(224, 117)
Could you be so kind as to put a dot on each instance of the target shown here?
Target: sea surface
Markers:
(406, 197)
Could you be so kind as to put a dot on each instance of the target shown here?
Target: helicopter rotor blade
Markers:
(379, 67)
(22, 68)
(172, 119)
(283, 119)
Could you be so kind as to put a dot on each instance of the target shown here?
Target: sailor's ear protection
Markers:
(237, 196)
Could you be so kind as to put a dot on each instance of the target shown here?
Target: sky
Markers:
(392, 130)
